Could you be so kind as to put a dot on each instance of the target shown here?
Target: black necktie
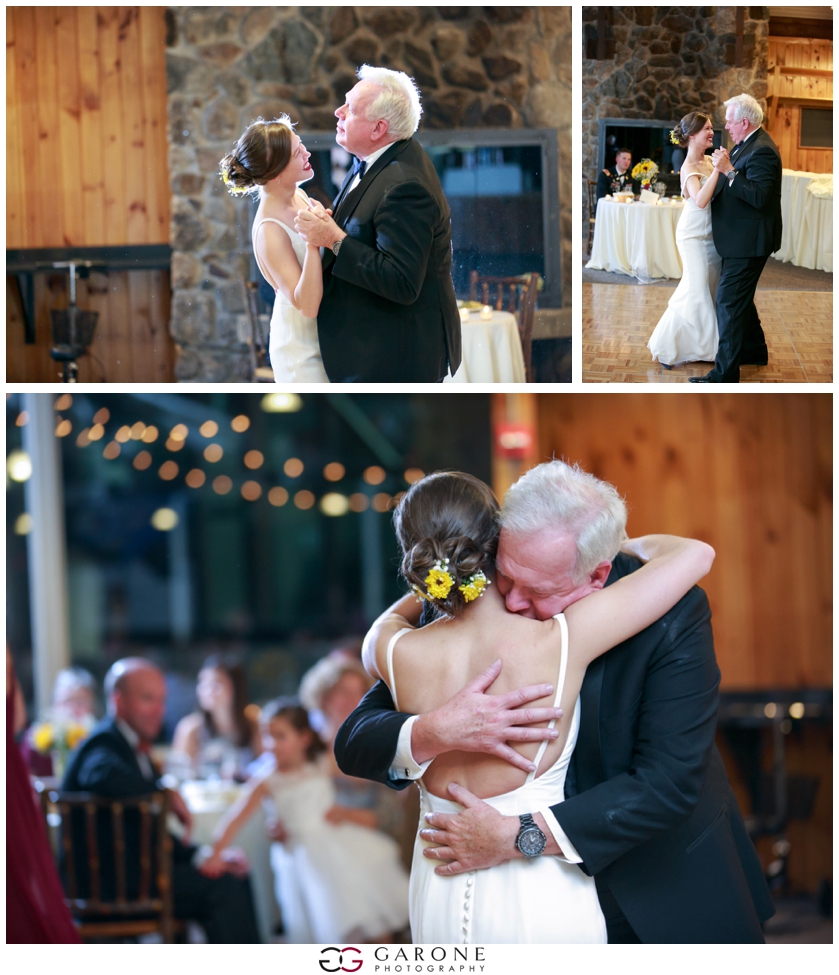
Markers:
(359, 168)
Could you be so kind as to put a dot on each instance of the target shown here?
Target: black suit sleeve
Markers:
(395, 268)
(105, 773)
(604, 184)
(673, 742)
(366, 742)
(764, 171)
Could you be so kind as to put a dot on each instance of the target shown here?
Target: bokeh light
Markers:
(23, 524)
(334, 504)
(293, 467)
(19, 466)
(304, 500)
(334, 471)
(165, 519)
(278, 496)
(254, 460)
(64, 402)
(213, 453)
(359, 502)
(179, 432)
(281, 403)
(111, 451)
(380, 502)
(251, 490)
(208, 429)
(240, 423)
(64, 428)
(374, 475)
(222, 484)
(168, 470)
(142, 461)
(195, 478)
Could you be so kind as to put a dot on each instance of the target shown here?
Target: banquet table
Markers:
(491, 350)
(807, 239)
(636, 239)
(208, 801)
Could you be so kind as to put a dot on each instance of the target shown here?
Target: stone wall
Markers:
(669, 61)
(475, 66)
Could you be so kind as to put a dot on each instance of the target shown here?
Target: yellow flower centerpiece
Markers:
(645, 172)
(58, 737)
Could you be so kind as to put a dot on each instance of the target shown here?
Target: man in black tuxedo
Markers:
(619, 175)
(648, 809)
(746, 218)
(388, 312)
(114, 761)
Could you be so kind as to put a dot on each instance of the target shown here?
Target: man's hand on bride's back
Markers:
(474, 721)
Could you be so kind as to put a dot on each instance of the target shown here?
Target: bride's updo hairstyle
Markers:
(692, 123)
(261, 154)
(447, 515)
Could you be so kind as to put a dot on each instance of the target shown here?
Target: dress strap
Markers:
(560, 684)
(390, 646)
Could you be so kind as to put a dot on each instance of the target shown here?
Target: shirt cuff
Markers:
(569, 853)
(403, 765)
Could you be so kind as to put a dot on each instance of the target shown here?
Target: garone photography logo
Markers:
(341, 959)
(422, 958)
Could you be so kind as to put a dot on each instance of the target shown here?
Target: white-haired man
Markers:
(746, 220)
(648, 809)
(388, 312)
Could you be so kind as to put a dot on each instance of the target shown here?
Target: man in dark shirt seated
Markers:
(620, 175)
(114, 762)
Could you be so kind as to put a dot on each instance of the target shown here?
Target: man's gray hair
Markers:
(398, 100)
(746, 107)
(556, 495)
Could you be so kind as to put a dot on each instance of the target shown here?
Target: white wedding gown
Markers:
(687, 332)
(332, 880)
(540, 901)
(293, 342)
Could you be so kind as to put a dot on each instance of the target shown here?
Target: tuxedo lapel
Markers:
(350, 200)
(588, 760)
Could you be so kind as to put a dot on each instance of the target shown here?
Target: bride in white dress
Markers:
(447, 527)
(271, 158)
(687, 332)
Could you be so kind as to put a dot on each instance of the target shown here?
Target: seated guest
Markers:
(114, 762)
(331, 691)
(219, 738)
(618, 177)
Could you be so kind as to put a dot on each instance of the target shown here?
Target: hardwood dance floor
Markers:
(618, 320)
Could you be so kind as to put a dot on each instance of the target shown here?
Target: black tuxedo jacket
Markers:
(747, 214)
(388, 312)
(604, 182)
(105, 764)
(649, 806)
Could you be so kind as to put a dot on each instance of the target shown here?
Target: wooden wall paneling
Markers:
(92, 184)
(67, 166)
(120, 329)
(48, 173)
(27, 80)
(116, 231)
(139, 285)
(750, 475)
(15, 169)
(133, 122)
(153, 48)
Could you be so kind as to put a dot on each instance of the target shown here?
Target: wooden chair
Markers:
(520, 301)
(110, 893)
(591, 190)
(258, 342)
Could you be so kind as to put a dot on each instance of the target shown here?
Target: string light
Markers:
(102, 416)
(165, 519)
(179, 432)
(63, 428)
(254, 460)
(208, 429)
(380, 502)
(304, 500)
(334, 505)
(168, 470)
(195, 478)
(22, 419)
(97, 431)
(413, 474)
(23, 524)
(83, 439)
(374, 475)
(111, 451)
(334, 471)
(293, 467)
(150, 434)
(796, 710)
(137, 430)
(278, 496)
(142, 461)
(251, 490)
(64, 402)
(123, 435)
(19, 466)
(359, 502)
(175, 445)
(222, 484)
(213, 453)
(240, 423)
(281, 403)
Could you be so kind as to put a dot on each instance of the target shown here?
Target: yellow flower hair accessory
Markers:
(231, 189)
(473, 586)
(438, 582)
(674, 138)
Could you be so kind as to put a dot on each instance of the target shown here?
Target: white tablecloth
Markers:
(208, 801)
(636, 239)
(491, 350)
(807, 239)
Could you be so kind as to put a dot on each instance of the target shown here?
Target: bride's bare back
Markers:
(433, 664)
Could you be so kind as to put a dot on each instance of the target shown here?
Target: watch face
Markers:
(531, 841)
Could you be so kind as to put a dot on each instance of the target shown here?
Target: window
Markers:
(816, 128)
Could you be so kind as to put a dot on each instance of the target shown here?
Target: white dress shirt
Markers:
(369, 160)
(133, 740)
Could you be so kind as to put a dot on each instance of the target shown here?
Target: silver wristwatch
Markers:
(531, 841)
(731, 174)
(337, 246)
